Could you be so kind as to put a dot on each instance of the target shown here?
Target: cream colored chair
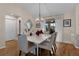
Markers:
(24, 45)
(48, 44)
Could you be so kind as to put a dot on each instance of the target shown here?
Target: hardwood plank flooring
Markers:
(11, 49)
(63, 49)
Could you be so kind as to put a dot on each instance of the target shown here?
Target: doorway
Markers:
(10, 27)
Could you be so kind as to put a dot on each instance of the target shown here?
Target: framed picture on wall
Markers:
(67, 22)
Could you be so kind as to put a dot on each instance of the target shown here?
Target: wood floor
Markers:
(11, 49)
(63, 49)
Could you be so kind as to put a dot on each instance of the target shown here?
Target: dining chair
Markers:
(48, 44)
(54, 43)
(24, 45)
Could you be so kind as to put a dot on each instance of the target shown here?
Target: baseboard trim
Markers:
(69, 43)
(64, 42)
(76, 46)
(1, 47)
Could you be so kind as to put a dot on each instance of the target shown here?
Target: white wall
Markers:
(59, 29)
(6, 9)
(76, 36)
(68, 32)
(77, 18)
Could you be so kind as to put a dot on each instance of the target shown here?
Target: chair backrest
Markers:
(23, 43)
(53, 38)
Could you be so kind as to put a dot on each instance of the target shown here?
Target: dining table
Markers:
(38, 39)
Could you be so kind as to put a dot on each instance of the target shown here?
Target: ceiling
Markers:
(48, 9)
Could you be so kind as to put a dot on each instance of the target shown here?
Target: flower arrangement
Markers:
(39, 32)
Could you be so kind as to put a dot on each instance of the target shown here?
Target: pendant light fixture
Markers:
(40, 18)
(39, 12)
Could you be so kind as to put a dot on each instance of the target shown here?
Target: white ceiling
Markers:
(48, 9)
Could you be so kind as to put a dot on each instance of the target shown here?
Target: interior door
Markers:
(10, 29)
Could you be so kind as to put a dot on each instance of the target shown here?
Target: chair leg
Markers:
(55, 48)
(39, 51)
(26, 54)
(20, 53)
(50, 53)
(53, 51)
(35, 51)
